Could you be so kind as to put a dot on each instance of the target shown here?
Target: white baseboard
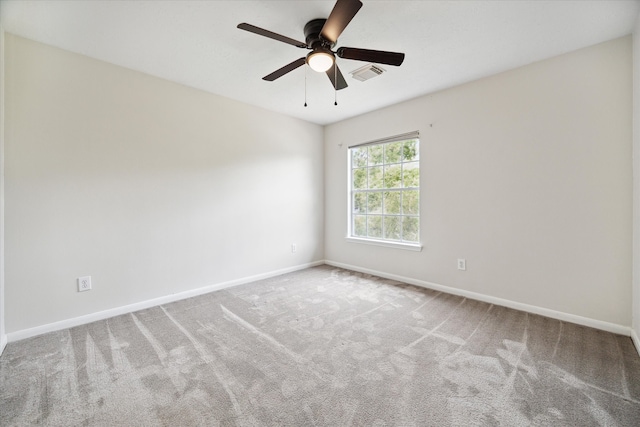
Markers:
(565, 317)
(81, 320)
(636, 340)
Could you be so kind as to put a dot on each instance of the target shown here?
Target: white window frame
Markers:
(408, 245)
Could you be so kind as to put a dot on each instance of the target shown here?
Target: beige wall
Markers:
(150, 187)
(526, 174)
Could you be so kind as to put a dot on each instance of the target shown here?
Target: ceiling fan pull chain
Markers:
(335, 86)
(305, 86)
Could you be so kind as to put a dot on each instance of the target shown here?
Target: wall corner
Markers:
(3, 335)
(635, 298)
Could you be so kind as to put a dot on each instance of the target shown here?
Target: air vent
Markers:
(367, 72)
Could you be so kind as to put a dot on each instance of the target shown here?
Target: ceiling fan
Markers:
(321, 36)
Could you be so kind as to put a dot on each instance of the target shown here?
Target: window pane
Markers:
(359, 157)
(392, 176)
(411, 174)
(410, 152)
(360, 203)
(375, 177)
(385, 193)
(360, 178)
(360, 225)
(411, 202)
(410, 229)
(392, 202)
(374, 202)
(376, 153)
(393, 152)
(392, 227)
(374, 226)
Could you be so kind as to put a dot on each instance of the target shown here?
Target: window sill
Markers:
(406, 246)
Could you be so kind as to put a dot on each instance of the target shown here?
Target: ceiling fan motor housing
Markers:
(312, 36)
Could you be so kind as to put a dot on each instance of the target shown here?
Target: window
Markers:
(385, 191)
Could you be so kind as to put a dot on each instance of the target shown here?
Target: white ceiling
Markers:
(196, 43)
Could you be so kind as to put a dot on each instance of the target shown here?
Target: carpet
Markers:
(323, 347)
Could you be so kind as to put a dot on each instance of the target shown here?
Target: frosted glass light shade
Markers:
(320, 61)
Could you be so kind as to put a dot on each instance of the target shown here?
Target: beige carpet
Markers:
(323, 347)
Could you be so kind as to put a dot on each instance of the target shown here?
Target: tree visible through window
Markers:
(385, 191)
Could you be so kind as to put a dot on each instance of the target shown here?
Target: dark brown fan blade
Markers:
(334, 72)
(377, 56)
(270, 34)
(342, 13)
(284, 70)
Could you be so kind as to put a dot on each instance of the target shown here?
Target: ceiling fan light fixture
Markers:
(321, 35)
(320, 60)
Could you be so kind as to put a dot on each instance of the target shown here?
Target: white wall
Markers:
(150, 187)
(3, 336)
(525, 174)
(636, 185)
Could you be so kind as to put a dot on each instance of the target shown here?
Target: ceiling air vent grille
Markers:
(367, 72)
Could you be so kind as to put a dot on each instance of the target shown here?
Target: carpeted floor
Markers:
(323, 347)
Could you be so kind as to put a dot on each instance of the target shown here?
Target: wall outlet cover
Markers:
(84, 283)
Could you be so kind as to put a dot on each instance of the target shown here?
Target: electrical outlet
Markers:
(294, 248)
(462, 264)
(84, 283)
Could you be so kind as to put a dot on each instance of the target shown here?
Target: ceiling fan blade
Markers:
(376, 56)
(342, 13)
(334, 72)
(284, 70)
(270, 34)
